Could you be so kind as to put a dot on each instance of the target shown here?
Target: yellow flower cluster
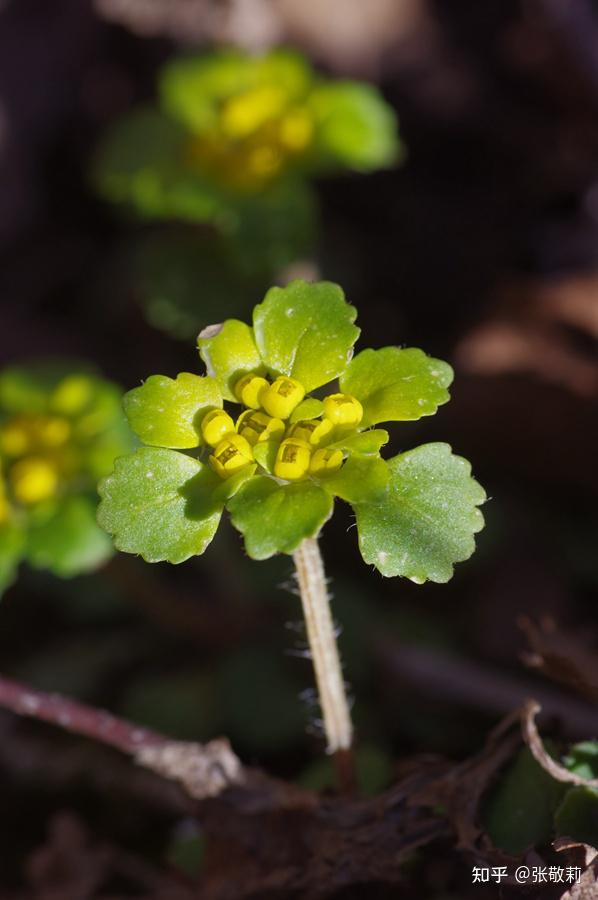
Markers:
(302, 450)
(257, 133)
(33, 448)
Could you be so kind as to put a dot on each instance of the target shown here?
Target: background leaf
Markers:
(275, 518)
(142, 162)
(12, 543)
(167, 412)
(306, 331)
(355, 127)
(397, 385)
(428, 519)
(70, 541)
(519, 811)
(144, 506)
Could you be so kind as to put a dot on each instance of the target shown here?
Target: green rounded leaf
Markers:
(146, 506)
(70, 541)
(395, 385)
(354, 126)
(428, 519)
(229, 352)
(366, 443)
(361, 479)
(306, 331)
(12, 546)
(167, 412)
(275, 518)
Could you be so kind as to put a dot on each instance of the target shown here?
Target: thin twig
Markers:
(325, 656)
(534, 742)
(204, 770)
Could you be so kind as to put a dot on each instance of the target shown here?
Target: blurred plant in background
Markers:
(232, 145)
(60, 430)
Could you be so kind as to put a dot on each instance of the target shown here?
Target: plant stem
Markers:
(324, 652)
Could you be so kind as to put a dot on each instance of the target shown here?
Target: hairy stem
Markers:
(324, 652)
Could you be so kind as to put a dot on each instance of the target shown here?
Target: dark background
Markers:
(482, 249)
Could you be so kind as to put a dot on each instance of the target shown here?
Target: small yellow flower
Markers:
(292, 459)
(282, 396)
(33, 479)
(343, 410)
(249, 389)
(256, 426)
(325, 462)
(215, 426)
(231, 455)
(313, 431)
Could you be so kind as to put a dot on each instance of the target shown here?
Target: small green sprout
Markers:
(59, 433)
(279, 463)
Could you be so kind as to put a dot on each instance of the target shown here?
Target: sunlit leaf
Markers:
(306, 331)
(427, 521)
(275, 518)
(229, 352)
(397, 385)
(146, 507)
(167, 412)
(361, 479)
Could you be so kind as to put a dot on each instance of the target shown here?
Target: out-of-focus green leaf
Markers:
(143, 162)
(355, 127)
(427, 521)
(275, 518)
(69, 541)
(397, 385)
(167, 412)
(305, 331)
(187, 277)
(577, 815)
(229, 352)
(519, 811)
(180, 703)
(12, 545)
(145, 508)
(274, 228)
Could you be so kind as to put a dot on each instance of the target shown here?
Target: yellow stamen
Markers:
(313, 431)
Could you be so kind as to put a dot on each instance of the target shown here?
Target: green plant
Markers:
(60, 430)
(279, 466)
(232, 144)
